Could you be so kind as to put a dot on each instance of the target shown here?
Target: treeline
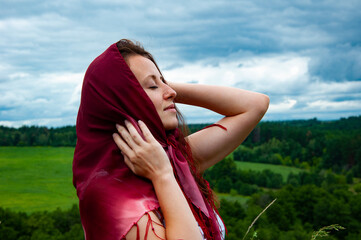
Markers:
(43, 136)
(56, 225)
(38, 136)
(225, 177)
(308, 144)
(299, 131)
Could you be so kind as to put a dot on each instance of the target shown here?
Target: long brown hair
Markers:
(127, 48)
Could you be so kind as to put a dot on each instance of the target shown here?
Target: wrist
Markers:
(163, 179)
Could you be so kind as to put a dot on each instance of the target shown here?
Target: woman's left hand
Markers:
(145, 157)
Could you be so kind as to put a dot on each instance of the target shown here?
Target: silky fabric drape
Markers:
(111, 198)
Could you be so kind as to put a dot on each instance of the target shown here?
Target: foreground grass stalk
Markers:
(324, 231)
(255, 220)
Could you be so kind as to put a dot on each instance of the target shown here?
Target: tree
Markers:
(224, 185)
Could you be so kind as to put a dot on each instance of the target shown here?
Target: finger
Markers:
(126, 136)
(133, 133)
(146, 132)
(122, 145)
(128, 163)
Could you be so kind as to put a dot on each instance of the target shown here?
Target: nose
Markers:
(169, 92)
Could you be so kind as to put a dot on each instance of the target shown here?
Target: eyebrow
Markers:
(153, 77)
(162, 78)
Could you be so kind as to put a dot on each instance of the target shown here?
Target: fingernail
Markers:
(126, 121)
(117, 126)
(140, 121)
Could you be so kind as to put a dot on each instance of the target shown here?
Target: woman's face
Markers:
(156, 88)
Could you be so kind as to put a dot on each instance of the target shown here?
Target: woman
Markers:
(152, 188)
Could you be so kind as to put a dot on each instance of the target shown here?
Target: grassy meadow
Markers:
(36, 178)
(40, 178)
(236, 197)
(280, 169)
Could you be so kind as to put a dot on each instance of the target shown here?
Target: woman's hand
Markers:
(145, 157)
(242, 111)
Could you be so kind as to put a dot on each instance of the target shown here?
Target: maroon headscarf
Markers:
(111, 197)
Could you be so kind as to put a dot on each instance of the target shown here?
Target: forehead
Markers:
(142, 67)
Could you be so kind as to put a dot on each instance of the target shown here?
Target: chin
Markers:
(171, 125)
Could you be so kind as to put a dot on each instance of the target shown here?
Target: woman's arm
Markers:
(148, 159)
(242, 110)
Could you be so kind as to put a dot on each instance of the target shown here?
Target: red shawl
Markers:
(111, 198)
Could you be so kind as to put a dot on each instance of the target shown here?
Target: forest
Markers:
(327, 191)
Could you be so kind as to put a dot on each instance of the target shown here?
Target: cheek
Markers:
(158, 104)
(155, 98)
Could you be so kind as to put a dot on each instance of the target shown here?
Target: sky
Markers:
(305, 55)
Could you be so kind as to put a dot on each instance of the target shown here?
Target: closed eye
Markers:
(153, 87)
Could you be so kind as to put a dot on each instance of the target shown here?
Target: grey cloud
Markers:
(65, 36)
(209, 29)
(340, 63)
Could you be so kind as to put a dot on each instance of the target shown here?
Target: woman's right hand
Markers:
(145, 157)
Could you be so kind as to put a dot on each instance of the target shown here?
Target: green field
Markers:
(239, 198)
(36, 178)
(40, 178)
(283, 170)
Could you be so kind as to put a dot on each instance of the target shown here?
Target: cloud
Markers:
(304, 54)
(335, 106)
(284, 106)
(286, 79)
(294, 93)
(287, 73)
(44, 98)
(341, 63)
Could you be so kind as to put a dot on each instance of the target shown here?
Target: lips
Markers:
(172, 106)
